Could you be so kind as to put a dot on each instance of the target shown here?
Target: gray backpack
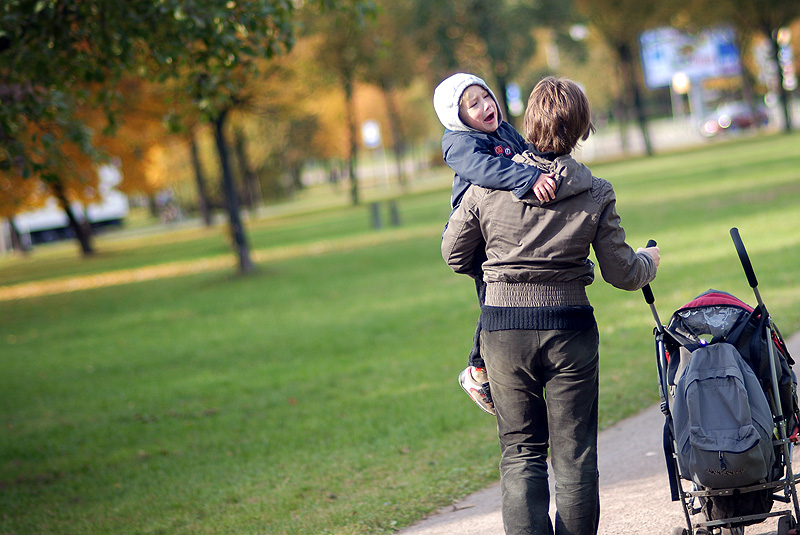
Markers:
(722, 420)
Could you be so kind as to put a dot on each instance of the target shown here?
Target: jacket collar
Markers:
(573, 177)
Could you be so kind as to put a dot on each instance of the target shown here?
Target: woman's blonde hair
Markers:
(558, 116)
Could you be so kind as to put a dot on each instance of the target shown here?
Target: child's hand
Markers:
(545, 187)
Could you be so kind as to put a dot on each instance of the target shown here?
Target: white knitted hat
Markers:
(446, 99)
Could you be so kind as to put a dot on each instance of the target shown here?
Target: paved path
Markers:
(634, 489)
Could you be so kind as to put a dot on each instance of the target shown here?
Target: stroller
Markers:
(728, 394)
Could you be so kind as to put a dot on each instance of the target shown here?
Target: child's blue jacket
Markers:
(485, 160)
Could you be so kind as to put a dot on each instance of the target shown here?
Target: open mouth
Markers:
(489, 118)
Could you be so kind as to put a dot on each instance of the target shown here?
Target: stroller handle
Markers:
(648, 293)
(748, 267)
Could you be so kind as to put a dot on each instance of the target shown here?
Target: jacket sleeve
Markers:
(473, 160)
(463, 235)
(620, 265)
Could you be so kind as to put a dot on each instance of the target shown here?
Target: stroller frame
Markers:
(788, 519)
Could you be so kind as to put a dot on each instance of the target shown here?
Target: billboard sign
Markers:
(666, 52)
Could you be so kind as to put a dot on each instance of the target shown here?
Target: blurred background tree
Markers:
(59, 57)
(758, 19)
(234, 104)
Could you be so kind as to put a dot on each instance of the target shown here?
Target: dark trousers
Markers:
(545, 388)
(475, 358)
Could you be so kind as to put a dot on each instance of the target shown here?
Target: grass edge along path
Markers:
(216, 263)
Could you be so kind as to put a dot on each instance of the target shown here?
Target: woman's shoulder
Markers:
(602, 190)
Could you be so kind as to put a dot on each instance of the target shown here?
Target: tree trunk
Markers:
(784, 94)
(202, 195)
(231, 199)
(748, 93)
(18, 243)
(621, 116)
(398, 139)
(296, 174)
(249, 180)
(245, 197)
(620, 110)
(629, 76)
(82, 232)
(152, 205)
(351, 126)
(502, 89)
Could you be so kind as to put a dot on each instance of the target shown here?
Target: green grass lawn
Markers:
(319, 395)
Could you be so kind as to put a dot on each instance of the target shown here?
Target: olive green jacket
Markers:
(538, 253)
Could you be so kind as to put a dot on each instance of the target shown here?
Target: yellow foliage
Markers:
(141, 127)
(76, 172)
(165, 164)
(332, 139)
(18, 194)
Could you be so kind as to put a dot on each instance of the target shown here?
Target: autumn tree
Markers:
(494, 37)
(271, 131)
(217, 70)
(59, 61)
(755, 18)
(18, 195)
(76, 182)
(140, 125)
(57, 58)
(341, 53)
(768, 17)
(392, 61)
(284, 128)
(203, 198)
(620, 22)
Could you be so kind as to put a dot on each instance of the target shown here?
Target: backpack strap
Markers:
(779, 341)
(758, 361)
(669, 454)
(675, 355)
(741, 325)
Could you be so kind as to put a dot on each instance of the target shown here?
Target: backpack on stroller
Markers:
(728, 394)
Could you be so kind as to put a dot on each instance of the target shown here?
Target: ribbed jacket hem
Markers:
(536, 294)
(571, 318)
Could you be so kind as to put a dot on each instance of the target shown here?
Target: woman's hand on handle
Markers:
(654, 252)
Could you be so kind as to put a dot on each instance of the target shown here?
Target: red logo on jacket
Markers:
(500, 151)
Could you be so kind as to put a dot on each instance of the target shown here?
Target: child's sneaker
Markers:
(475, 382)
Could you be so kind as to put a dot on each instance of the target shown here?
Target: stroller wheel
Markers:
(680, 531)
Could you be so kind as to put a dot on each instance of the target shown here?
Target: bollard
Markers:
(375, 209)
(394, 213)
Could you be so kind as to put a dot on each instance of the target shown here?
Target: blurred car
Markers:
(733, 116)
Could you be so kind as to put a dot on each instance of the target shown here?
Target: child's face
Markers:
(478, 109)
